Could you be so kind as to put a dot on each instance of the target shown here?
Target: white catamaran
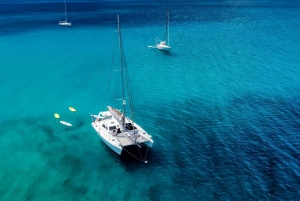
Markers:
(165, 44)
(65, 23)
(115, 128)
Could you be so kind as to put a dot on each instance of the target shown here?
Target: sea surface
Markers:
(223, 106)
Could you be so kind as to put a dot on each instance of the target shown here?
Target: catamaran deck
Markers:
(112, 128)
(124, 140)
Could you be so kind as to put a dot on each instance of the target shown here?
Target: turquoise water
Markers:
(222, 107)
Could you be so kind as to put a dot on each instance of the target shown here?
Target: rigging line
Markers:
(109, 77)
(140, 153)
(128, 87)
(129, 92)
(146, 152)
(114, 96)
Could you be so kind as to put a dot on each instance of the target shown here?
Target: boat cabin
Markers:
(129, 126)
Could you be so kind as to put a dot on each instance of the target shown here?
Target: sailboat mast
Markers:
(167, 28)
(66, 10)
(121, 70)
(168, 42)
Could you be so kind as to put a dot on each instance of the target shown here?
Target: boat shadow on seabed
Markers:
(133, 154)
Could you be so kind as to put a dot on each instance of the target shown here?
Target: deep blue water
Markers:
(223, 107)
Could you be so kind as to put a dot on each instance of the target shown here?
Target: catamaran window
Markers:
(112, 128)
(108, 117)
(103, 125)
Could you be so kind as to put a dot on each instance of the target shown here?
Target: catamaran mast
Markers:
(125, 79)
(122, 73)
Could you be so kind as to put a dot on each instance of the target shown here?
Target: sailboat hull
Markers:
(64, 23)
(163, 47)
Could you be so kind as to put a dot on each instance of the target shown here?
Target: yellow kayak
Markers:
(72, 109)
(56, 115)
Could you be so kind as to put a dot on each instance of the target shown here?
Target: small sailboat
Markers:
(65, 23)
(115, 128)
(165, 44)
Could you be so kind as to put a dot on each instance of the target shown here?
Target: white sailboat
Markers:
(165, 44)
(65, 23)
(115, 128)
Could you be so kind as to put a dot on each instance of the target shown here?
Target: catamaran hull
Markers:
(149, 143)
(116, 149)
